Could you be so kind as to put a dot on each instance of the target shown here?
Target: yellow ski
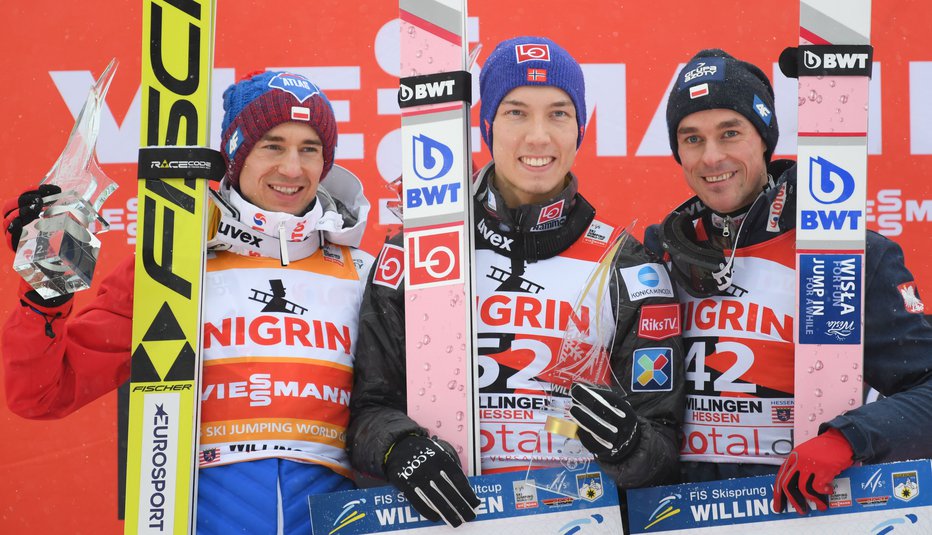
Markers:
(161, 475)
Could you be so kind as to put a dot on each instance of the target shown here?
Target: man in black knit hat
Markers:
(731, 251)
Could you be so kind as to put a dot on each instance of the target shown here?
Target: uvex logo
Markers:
(493, 237)
(241, 235)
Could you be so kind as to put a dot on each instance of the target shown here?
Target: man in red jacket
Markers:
(283, 407)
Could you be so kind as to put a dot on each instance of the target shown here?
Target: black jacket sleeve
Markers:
(655, 460)
(897, 362)
(378, 405)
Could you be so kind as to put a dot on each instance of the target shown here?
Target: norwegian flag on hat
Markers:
(537, 75)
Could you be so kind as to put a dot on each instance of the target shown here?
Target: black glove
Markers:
(429, 474)
(608, 426)
(17, 213)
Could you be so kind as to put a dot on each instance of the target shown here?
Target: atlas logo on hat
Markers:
(262, 100)
(532, 52)
(300, 87)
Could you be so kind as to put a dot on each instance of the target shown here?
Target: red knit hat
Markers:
(263, 100)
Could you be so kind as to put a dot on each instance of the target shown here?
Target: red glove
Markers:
(816, 462)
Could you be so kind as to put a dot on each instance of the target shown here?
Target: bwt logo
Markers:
(427, 90)
(830, 184)
(432, 159)
(835, 60)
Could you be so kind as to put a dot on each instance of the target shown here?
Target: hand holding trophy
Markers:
(587, 413)
(57, 252)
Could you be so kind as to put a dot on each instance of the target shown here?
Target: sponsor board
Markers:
(864, 500)
(556, 500)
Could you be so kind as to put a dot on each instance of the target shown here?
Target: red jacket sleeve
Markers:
(89, 356)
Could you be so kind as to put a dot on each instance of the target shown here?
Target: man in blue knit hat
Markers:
(732, 254)
(280, 316)
(537, 241)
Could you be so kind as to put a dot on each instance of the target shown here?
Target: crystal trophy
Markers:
(584, 357)
(58, 251)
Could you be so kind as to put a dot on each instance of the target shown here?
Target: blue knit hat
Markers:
(263, 100)
(714, 79)
(532, 61)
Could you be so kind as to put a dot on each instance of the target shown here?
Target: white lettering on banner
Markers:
(524, 311)
(606, 97)
(920, 107)
(260, 389)
(889, 210)
(724, 317)
(119, 143)
(407, 515)
(266, 330)
(722, 427)
(605, 93)
(121, 219)
(728, 510)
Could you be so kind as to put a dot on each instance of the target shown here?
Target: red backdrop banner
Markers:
(61, 476)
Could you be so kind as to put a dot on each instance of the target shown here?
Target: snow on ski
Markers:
(833, 63)
(162, 458)
(438, 223)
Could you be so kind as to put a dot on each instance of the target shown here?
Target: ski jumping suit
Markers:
(531, 265)
(278, 357)
(739, 408)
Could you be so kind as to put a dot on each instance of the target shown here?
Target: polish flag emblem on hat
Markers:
(700, 90)
(300, 113)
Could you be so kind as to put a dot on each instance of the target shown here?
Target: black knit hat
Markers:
(714, 79)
